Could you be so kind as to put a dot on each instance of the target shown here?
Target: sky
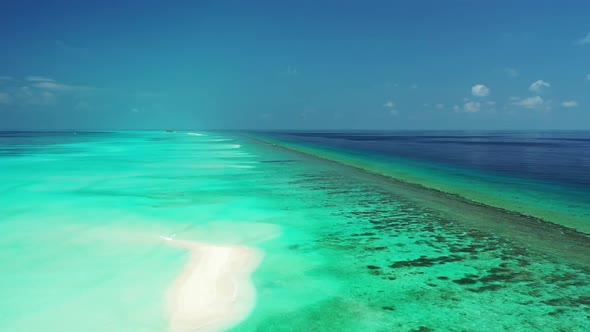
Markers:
(448, 64)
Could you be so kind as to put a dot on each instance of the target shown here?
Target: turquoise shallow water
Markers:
(344, 250)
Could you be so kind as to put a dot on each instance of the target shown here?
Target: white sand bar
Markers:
(214, 291)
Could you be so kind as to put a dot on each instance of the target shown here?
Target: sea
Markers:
(360, 230)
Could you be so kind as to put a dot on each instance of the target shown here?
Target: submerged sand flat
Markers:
(214, 291)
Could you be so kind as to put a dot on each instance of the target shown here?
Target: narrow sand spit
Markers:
(214, 291)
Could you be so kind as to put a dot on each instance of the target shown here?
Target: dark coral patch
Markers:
(376, 248)
(498, 277)
(426, 262)
(422, 329)
(465, 281)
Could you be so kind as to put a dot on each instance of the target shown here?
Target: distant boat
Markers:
(170, 131)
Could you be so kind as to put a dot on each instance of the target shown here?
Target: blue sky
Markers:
(295, 64)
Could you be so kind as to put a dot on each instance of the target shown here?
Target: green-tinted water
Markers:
(344, 251)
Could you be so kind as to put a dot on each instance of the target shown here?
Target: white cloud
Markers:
(290, 71)
(512, 72)
(35, 97)
(472, 106)
(491, 103)
(40, 91)
(39, 79)
(530, 102)
(440, 106)
(5, 78)
(570, 103)
(5, 98)
(539, 85)
(588, 76)
(584, 40)
(53, 86)
(389, 104)
(414, 86)
(480, 90)
(59, 87)
(456, 108)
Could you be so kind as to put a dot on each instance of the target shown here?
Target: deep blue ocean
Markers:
(550, 156)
